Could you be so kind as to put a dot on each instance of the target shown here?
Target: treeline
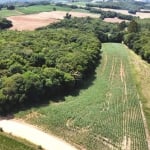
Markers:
(105, 32)
(138, 38)
(109, 14)
(4, 23)
(41, 64)
(66, 5)
(132, 7)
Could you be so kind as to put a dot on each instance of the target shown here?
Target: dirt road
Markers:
(34, 135)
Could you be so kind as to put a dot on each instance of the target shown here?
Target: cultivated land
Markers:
(114, 20)
(35, 9)
(106, 114)
(33, 21)
(142, 75)
(31, 10)
(138, 14)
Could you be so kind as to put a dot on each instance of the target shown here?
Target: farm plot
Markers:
(105, 115)
(33, 21)
(138, 14)
(114, 20)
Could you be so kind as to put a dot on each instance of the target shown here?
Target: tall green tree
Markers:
(133, 27)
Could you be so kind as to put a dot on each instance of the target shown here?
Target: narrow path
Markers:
(34, 135)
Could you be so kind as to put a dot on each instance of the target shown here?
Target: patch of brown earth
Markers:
(33, 21)
(114, 20)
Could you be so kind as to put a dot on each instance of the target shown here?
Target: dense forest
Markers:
(105, 32)
(40, 64)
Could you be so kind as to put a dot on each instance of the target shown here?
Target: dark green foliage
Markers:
(116, 37)
(104, 31)
(10, 7)
(109, 14)
(68, 16)
(4, 23)
(138, 39)
(41, 64)
(133, 26)
(122, 25)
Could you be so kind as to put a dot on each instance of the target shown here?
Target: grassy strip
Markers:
(41, 8)
(8, 142)
(6, 13)
(104, 115)
(142, 75)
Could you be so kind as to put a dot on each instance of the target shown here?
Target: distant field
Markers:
(35, 9)
(78, 3)
(33, 21)
(138, 14)
(5, 13)
(106, 114)
(9, 143)
(114, 20)
(41, 8)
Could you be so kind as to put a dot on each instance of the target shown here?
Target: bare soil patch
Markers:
(114, 20)
(33, 21)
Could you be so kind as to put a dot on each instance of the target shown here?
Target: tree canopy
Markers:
(40, 64)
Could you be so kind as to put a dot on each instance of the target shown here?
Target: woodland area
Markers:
(37, 65)
(138, 38)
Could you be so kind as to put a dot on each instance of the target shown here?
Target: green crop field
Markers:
(9, 143)
(41, 8)
(105, 114)
(78, 3)
(35, 9)
(6, 13)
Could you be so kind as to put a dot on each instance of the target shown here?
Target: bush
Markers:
(1, 129)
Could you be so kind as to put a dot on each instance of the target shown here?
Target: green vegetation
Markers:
(55, 60)
(46, 62)
(142, 76)
(138, 38)
(106, 114)
(35, 9)
(8, 143)
(4, 23)
(131, 6)
(6, 13)
(41, 8)
(105, 32)
(109, 14)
